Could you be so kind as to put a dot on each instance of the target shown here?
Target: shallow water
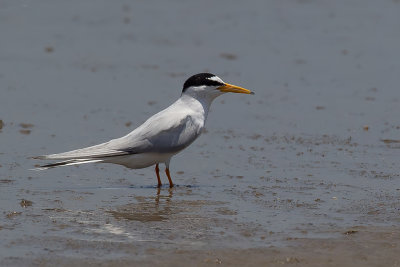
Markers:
(314, 153)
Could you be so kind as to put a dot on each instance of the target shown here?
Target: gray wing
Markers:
(98, 151)
(165, 132)
(159, 137)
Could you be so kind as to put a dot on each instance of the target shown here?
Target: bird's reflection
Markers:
(167, 197)
(149, 209)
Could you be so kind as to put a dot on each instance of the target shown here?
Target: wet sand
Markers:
(304, 173)
(363, 249)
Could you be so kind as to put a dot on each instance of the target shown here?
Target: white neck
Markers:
(199, 101)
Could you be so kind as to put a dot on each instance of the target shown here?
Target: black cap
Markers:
(201, 79)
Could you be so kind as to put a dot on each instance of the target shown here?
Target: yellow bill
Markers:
(234, 89)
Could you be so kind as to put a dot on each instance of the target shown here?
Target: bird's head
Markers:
(210, 86)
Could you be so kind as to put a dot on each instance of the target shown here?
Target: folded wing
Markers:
(163, 133)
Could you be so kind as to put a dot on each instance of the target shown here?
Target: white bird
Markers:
(162, 136)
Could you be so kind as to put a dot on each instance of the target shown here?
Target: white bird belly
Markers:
(139, 161)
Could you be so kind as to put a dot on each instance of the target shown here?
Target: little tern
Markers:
(159, 138)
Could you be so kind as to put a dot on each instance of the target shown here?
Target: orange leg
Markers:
(158, 176)
(171, 184)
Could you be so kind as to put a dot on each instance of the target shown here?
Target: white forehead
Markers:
(216, 79)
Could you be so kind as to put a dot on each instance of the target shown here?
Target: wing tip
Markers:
(64, 163)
